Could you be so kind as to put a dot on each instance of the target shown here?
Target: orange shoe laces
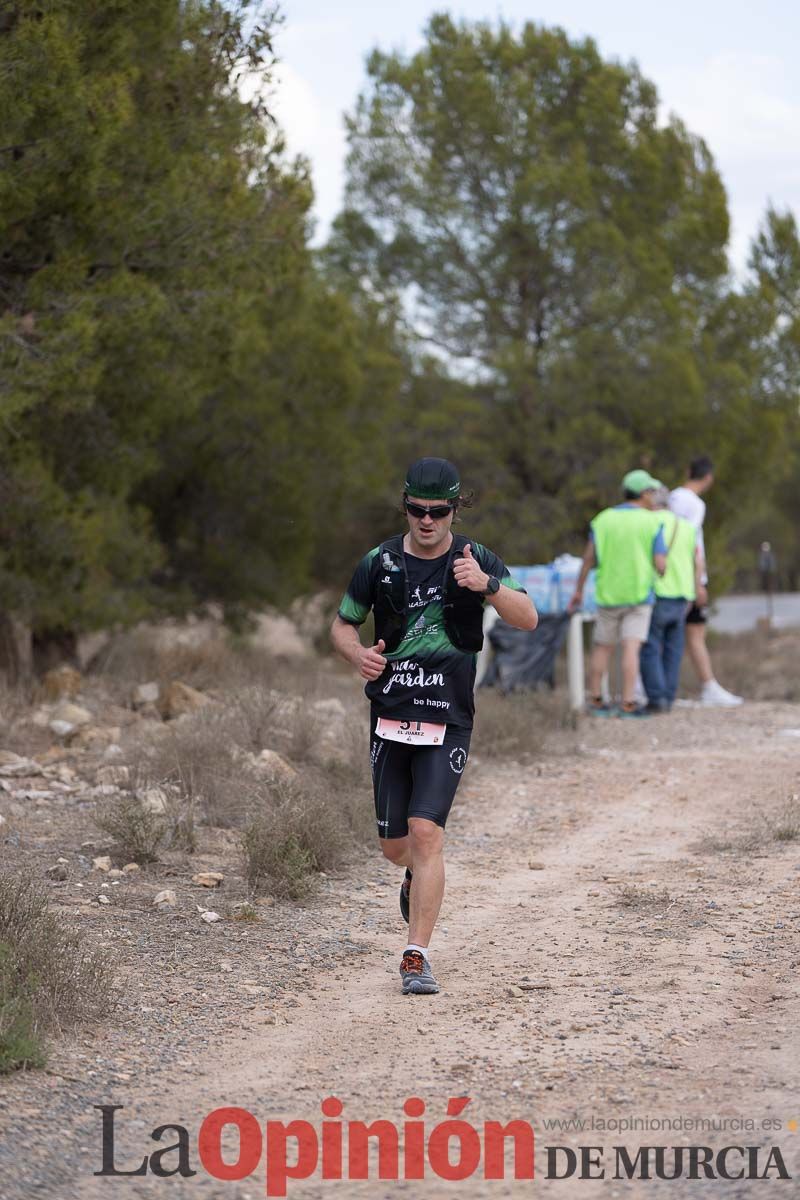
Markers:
(413, 962)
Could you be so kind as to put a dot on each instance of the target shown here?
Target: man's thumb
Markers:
(380, 646)
(468, 551)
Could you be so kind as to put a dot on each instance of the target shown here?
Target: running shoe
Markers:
(405, 896)
(714, 695)
(597, 708)
(416, 974)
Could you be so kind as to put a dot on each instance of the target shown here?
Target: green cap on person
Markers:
(433, 479)
(640, 481)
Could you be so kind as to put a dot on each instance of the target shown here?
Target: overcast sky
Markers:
(728, 68)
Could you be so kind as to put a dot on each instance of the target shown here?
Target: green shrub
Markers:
(295, 830)
(20, 1046)
(137, 832)
(49, 978)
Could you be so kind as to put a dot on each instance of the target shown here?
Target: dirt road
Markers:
(639, 890)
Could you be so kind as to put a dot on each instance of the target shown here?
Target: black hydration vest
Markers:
(463, 609)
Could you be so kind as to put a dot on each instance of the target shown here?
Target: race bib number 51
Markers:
(415, 733)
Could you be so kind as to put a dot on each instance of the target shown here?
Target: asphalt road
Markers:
(737, 614)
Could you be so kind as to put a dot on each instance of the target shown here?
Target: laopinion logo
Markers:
(452, 1149)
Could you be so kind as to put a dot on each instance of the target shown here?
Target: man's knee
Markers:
(394, 848)
(426, 837)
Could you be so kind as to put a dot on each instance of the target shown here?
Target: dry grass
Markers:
(202, 759)
(299, 736)
(751, 841)
(207, 764)
(138, 657)
(295, 830)
(516, 725)
(49, 979)
(254, 713)
(346, 766)
(756, 665)
(632, 896)
(786, 824)
(778, 822)
(195, 762)
(213, 660)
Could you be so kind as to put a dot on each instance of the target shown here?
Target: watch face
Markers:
(493, 585)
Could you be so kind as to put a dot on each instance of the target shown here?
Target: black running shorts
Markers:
(415, 781)
(697, 615)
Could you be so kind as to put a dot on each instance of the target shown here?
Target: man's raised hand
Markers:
(371, 660)
(468, 573)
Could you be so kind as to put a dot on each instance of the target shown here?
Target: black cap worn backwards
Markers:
(433, 479)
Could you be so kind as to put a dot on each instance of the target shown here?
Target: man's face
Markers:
(706, 482)
(426, 530)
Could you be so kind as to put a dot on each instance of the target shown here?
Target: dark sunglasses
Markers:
(436, 512)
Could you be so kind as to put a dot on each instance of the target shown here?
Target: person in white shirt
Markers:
(686, 502)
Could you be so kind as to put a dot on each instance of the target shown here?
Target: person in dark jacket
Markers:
(427, 589)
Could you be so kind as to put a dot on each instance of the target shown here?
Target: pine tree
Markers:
(562, 252)
(176, 377)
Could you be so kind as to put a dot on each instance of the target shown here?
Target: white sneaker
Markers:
(714, 695)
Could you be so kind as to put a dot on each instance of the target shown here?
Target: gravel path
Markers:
(619, 940)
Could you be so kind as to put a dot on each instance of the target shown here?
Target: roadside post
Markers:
(575, 665)
(575, 656)
(767, 567)
(550, 585)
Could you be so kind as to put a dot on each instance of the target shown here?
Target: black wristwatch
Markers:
(492, 586)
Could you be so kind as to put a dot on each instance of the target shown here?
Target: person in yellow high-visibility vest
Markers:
(626, 544)
(675, 591)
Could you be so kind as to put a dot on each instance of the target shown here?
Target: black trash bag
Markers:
(525, 658)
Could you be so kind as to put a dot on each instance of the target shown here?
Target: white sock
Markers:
(422, 949)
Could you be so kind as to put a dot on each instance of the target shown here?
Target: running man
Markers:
(627, 545)
(420, 678)
(686, 501)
